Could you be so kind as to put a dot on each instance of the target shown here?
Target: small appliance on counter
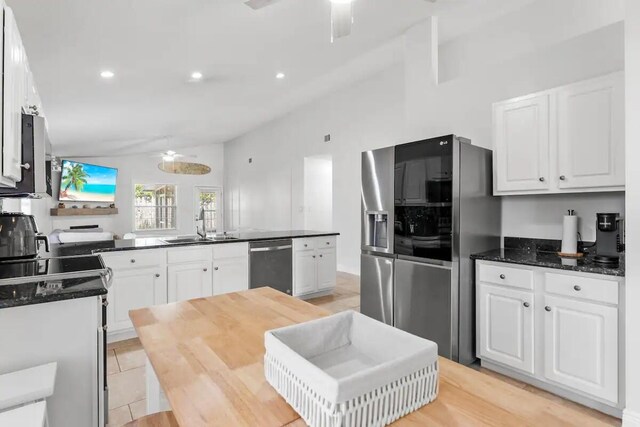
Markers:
(19, 236)
(609, 238)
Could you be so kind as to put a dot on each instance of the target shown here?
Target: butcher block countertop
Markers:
(208, 356)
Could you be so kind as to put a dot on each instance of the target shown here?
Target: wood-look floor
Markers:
(126, 359)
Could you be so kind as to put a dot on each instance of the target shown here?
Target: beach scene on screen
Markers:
(83, 182)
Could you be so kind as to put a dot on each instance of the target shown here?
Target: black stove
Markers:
(29, 270)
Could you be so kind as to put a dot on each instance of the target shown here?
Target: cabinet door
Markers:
(581, 346)
(326, 268)
(132, 289)
(230, 275)
(14, 96)
(305, 272)
(189, 281)
(591, 133)
(521, 144)
(506, 326)
(415, 181)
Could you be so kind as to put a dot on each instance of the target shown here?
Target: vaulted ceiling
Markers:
(153, 46)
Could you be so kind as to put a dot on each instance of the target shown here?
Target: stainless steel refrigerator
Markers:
(426, 206)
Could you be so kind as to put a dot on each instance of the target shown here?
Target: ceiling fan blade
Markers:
(341, 19)
(259, 4)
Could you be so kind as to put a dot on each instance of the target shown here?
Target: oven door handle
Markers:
(271, 248)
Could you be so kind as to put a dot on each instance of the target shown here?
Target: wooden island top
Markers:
(208, 356)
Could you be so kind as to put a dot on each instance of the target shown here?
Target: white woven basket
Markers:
(305, 362)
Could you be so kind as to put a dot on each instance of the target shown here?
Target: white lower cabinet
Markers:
(189, 281)
(314, 265)
(231, 269)
(563, 334)
(581, 346)
(506, 325)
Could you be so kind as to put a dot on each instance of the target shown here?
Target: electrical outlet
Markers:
(250, 160)
(327, 138)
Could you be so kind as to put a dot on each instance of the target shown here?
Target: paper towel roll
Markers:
(569, 234)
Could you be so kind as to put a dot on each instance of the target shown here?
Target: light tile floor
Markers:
(126, 360)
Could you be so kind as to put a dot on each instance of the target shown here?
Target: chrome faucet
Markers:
(201, 228)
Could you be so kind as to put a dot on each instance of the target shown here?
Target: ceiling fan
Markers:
(341, 15)
(171, 156)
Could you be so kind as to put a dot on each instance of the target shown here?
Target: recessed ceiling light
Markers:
(107, 74)
(196, 75)
(280, 76)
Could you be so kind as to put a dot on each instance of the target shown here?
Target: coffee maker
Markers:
(609, 238)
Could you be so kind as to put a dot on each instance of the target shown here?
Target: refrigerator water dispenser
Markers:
(377, 235)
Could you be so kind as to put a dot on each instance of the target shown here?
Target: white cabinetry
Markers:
(563, 140)
(189, 273)
(555, 329)
(581, 346)
(314, 265)
(14, 96)
(230, 268)
(506, 326)
(139, 280)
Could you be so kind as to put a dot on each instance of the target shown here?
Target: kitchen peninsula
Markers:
(153, 271)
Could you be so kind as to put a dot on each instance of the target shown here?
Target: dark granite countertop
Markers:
(49, 291)
(72, 249)
(540, 253)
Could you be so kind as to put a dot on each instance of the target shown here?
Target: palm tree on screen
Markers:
(73, 176)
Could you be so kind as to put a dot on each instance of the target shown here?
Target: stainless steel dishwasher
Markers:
(271, 264)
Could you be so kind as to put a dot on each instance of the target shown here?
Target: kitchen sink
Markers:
(182, 240)
(221, 238)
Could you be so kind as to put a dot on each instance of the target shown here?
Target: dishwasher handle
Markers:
(271, 248)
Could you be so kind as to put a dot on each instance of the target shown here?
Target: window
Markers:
(155, 207)
(210, 199)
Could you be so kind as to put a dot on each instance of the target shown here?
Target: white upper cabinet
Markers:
(14, 99)
(522, 144)
(564, 140)
(591, 134)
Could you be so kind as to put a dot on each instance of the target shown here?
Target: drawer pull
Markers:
(314, 256)
(577, 288)
(216, 268)
(320, 256)
(133, 261)
(157, 275)
(305, 245)
(328, 243)
(502, 276)
(547, 308)
(526, 304)
(205, 269)
(541, 179)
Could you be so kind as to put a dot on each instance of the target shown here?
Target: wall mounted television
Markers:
(84, 182)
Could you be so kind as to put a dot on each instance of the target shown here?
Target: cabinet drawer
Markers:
(598, 290)
(230, 250)
(304, 244)
(189, 254)
(326, 242)
(134, 259)
(503, 275)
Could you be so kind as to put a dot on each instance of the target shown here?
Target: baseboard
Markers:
(345, 269)
(122, 335)
(630, 418)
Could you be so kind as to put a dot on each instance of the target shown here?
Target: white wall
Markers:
(371, 115)
(143, 169)
(267, 193)
(632, 314)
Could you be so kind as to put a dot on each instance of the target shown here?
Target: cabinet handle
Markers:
(320, 256)
(577, 288)
(526, 304)
(215, 268)
(157, 275)
(328, 243)
(547, 308)
(133, 261)
(562, 177)
(541, 179)
(25, 166)
(314, 256)
(205, 269)
(305, 245)
(502, 276)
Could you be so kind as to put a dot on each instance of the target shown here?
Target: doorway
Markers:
(209, 199)
(318, 193)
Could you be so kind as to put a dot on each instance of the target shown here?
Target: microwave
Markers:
(36, 157)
